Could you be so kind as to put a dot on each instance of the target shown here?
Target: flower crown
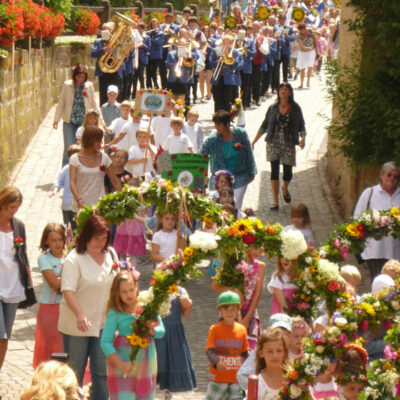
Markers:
(224, 172)
(360, 349)
(127, 266)
(347, 377)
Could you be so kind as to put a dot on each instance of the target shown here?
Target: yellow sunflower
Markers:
(134, 340)
(263, 12)
(172, 289)
(298, 14)
(242, 227)
(188, 252)
(230, 22)
(258, 224)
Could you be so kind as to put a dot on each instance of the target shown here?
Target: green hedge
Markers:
(367, 95)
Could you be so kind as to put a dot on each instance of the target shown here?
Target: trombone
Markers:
(228, 60)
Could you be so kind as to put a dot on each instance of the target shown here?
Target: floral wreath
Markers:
(346, 377)
(226, 173)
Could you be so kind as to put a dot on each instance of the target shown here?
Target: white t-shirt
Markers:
(89, 181)
(166, 242)
(305, 231)
(193, 133)
(117, 124)
(129, 139)
(275, 282)
(264, 391)
(11, 289)
(177, 144)
(91, 284)
(160, 129)
(79, 132)
(136, 153)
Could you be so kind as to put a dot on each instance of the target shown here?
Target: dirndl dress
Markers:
(129, 238)
(140, 384)
(254, 329)
(175, 368)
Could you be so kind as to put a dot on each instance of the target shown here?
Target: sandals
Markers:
(287, 197)
(275, 207)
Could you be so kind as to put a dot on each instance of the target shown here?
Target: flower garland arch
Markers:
(317, 275)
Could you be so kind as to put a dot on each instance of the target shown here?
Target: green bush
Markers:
(63, 6)
(367, 94)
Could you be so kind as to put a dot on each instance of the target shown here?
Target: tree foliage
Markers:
(366, 94)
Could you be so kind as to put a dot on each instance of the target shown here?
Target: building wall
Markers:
(346, 179)
(23, 105)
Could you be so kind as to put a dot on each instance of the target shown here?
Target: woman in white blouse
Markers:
(86, 279)
(383, 196)
(87, 170)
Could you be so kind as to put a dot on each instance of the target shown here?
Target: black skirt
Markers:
(177, 87)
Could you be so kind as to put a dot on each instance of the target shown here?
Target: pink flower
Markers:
(303, 306)
(389, 353)
(336, 243)
(344, 252)
(364, 325)
(343, 339)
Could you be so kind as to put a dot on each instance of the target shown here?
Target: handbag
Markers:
(30, 297)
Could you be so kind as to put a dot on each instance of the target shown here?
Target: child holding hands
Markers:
(126, 379)
(226, 348)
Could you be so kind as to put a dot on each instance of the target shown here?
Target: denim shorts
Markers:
(7, 317)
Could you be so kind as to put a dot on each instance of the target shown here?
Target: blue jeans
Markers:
(69, 131)
(7, 317)
(80, 348)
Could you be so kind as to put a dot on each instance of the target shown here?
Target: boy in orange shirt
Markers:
(226, 347)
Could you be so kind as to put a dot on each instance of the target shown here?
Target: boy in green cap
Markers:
(226, 348)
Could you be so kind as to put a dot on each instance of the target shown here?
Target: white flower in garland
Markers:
(204, 241)
(146, 296)
(328, 270)
(293, 244)
(389, 379)
(371, 393)
(165, 308)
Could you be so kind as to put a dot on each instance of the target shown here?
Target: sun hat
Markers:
(112, 88)
(280, 320)
(228, 298)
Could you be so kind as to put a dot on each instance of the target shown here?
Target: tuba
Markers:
(121, 42)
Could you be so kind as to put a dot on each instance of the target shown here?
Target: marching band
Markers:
(244, 58)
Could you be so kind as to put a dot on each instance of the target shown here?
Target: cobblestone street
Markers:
(41, 163)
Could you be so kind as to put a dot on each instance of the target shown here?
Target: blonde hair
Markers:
(160, 216)
(391, 266)
(271, 335)
(126, 103)
(351, 274)
(141, 130)
(192, 112)
(9, 195)
(114, 300)
(299, 322)
(91, 112)
(52, 380)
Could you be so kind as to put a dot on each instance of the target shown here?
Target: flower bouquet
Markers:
(237, 107)
(85, 22)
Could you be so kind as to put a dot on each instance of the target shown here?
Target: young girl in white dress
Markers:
(271, 363)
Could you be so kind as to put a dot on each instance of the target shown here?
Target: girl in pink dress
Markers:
(281, 286)
(252, 292)
(129, 238)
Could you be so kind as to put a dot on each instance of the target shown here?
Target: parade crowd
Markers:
(87, 305)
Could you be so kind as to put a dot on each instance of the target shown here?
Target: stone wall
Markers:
(37, 82)
(347, 180)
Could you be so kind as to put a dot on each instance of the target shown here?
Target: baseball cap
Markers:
(280, 320)
(228, 298)
(112, 88)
